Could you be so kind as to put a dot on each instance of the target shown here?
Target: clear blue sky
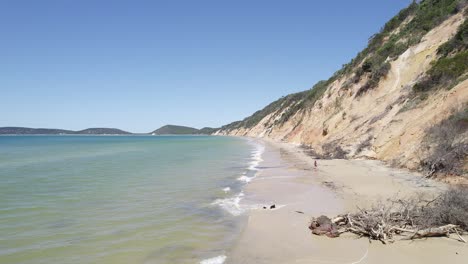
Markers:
(137, 65)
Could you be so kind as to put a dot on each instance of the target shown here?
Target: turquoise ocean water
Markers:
(121, 199)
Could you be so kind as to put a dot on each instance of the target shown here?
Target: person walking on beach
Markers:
(315, 164)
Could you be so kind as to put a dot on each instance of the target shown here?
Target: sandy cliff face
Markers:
(383, 123)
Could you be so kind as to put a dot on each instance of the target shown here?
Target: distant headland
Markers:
(182, 130)
(52, 131)
(164, 130)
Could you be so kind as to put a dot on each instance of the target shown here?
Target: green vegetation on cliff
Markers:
(397, 36)
(452, 65)
(269, 109)
(404, 30)
(458, 43)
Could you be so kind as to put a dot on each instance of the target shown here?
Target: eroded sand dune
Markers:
(383, 117)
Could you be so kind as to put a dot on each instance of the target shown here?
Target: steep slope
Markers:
(389, 101)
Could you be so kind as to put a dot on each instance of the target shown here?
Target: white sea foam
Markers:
(256, 156)
(245, 178)
(215, 260)
(227, 189)
(231, 205)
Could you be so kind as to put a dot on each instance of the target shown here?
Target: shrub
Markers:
(450, 68)
(333, 151)
(459, 42)
(363, 89)
(445, 72)
(447, 148)
(381, 71)
(367, 66)
(308, 99)
(374, 80)
(364, 144)
(278, 105)
(433, 12)
(449, 208)
(427, 15)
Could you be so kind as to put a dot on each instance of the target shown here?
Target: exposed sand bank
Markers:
(288, 179)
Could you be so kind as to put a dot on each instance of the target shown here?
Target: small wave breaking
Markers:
(245, 178)
(215, 260)
(231, 204)
(256, 157)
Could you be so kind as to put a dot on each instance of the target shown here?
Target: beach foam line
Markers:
(245, 178)
(231, 204)
(256, 157)
(215, 260)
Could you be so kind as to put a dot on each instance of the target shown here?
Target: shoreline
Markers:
(287, 178)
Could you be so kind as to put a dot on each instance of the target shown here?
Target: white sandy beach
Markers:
(289, 180)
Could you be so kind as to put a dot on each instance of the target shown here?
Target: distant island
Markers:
(51, 131)
(182, 130)
(164, 130)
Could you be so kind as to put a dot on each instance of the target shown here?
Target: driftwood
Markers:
(403, 219)
(377, 226)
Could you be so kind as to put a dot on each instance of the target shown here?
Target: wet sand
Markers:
(289, 180)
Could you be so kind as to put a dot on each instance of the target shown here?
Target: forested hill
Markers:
(181, 130)
(49, 131)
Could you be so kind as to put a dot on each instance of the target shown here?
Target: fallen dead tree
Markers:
(402, 219)
(381, 230)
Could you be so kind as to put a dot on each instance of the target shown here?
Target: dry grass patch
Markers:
(447, 145)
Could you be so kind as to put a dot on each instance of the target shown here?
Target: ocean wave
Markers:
(231, 204)
(245, 178)
(215, 260)
(256, 157)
